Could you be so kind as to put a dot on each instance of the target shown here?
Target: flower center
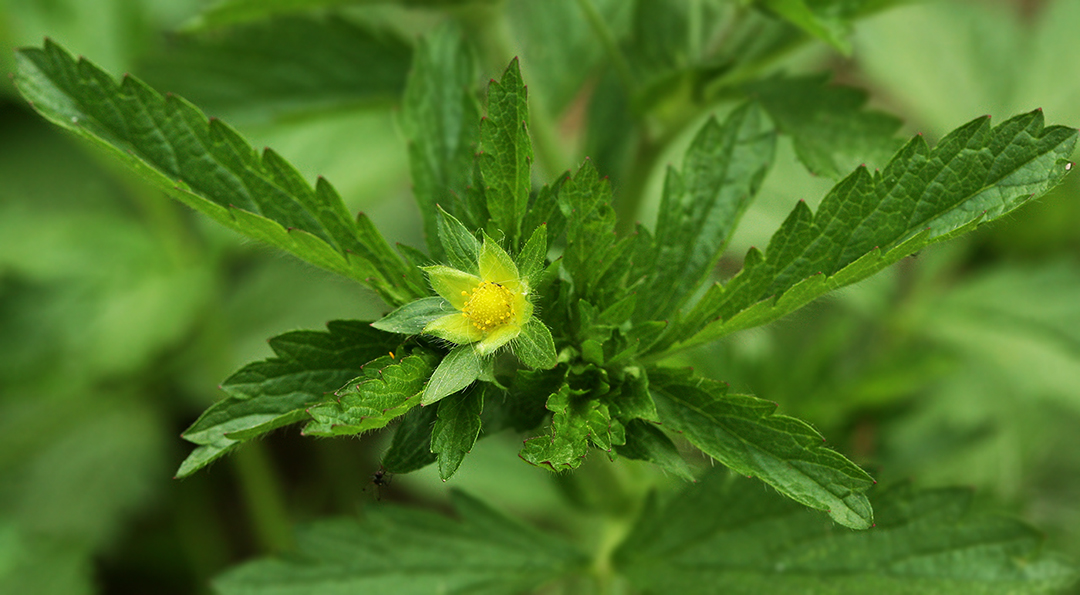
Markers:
(490, 306)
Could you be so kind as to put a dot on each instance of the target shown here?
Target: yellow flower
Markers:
(491, 308)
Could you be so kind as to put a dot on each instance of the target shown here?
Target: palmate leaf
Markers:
(208, 166)
(728, 535)
(743, 433)
(870, 220)
(275, 392)
(409, 551)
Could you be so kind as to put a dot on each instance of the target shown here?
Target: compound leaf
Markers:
(868, 221)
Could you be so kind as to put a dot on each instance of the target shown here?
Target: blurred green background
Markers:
(121, 311)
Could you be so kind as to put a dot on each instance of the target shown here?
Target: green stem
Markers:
(607, 38)
(263, 498)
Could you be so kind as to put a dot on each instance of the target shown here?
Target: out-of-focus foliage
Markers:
(120, 311)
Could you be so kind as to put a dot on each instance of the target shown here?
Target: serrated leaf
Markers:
(743, 433)
(868, 221)
(286, 66)
(412, 552)
(266, 395)
(460, 368)
(535, 346)
(439, 118)
(411, 318)
(231, 12)
(410, 449)
(456, 430)
(831, 131)
(506, 152)
(209, 167)
(727, 535)
(722, 172)
(646, 442)
(386, 389)
(567, 442)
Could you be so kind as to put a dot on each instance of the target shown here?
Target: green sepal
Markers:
(411, 318)
(460, 245)
(456, 429)
(460, 368)
(534, 347)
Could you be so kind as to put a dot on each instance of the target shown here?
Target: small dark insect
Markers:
(381, 479)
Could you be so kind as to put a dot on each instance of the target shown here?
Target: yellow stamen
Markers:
(490, 306)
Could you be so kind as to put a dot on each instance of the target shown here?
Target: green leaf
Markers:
(831, 130)
(439, 118)
(868, 221)
(727, 535)
(460, 368)
(386, 389)
(456, 430)
(410, 448)
(506, 152)
(743, 433)
(646, 442)
(535, 347)
(284, 67)
(830, 28)
(722, 172)
(460, 246)
(209, 167)
(266, 395)
(566, 444)
(411, 552)
(411, 318)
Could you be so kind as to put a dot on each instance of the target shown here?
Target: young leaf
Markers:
(410, 449)
(412, 552)
(565, 446)
(831, 130)
(506, 152)
(386, 389)
(532, 259)
(460, 368)
(209, 167)
(743, 433)
(700, 208)
(868, 221)
(439, 118)
(456, 429)
(266, 395)
(727, 535)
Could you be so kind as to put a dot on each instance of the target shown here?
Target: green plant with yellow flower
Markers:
(527, 311)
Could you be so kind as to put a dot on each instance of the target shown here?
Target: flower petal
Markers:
(453, 285)
(497, 266)
(497, 338)
(455, 328)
